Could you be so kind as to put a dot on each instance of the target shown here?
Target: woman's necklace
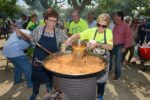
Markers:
(49, 32)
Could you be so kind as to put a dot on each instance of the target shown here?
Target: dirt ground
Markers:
(133, 85)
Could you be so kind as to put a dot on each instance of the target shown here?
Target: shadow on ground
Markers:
(133, 85)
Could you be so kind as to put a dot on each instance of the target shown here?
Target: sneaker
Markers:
(33, 97)
(100, 97)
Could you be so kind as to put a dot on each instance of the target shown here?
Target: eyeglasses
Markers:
(103, 26)
(52, 20)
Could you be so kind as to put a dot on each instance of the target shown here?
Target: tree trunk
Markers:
(82, 6)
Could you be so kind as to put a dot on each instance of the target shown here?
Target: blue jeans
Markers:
(22, 64)
(118, 60)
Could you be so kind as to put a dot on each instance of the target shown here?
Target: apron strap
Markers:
(95, 35)
(105, 42)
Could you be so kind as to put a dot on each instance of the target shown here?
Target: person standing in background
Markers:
(77, 24)
(112, 24)
(141, 32)
(134, 30)
(148, 32)
(122, 41)
(91, 20)
(127, 20)
(21, 23)
(33, 23)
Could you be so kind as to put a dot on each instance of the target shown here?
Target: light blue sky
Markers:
(21, 3)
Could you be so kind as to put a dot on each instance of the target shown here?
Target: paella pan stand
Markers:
(76, 88)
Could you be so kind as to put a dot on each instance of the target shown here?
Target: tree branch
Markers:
(75, 4)
(82, 6)
(60, 1)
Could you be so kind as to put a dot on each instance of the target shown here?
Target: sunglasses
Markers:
(103, 26)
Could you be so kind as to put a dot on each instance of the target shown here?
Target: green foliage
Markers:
(9, 8)
(127, 6)
(147, 12)
(69, 2)
(80, 1)
(109, 6)
(41, 5)
(44, 4)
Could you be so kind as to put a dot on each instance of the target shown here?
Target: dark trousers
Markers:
(41, 76)
(101, 88)
(131, 50)
(118, 60)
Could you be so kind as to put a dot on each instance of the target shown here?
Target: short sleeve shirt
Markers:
(90, 33)
(31, 26)
(75, 28)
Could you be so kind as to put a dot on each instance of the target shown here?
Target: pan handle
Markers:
(47, 51)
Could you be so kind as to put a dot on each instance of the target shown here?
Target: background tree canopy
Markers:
(129, 7)
(9, 8)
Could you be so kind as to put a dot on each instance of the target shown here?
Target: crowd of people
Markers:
(114, 34)
(4, 27)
